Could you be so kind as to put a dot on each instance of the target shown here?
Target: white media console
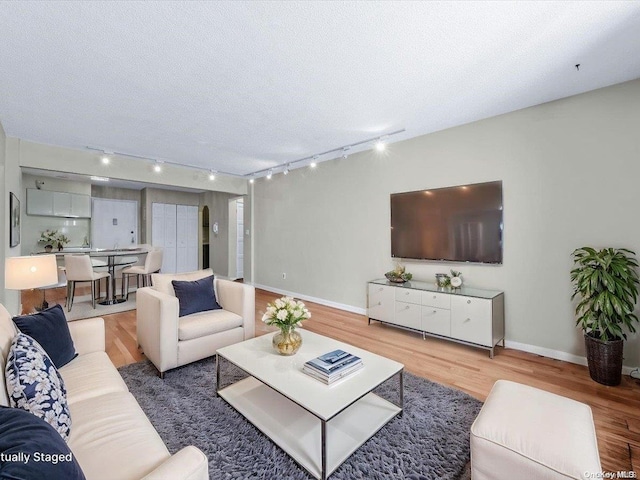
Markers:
(466, 315)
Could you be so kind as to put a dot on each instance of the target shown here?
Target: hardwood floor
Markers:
(616, 410)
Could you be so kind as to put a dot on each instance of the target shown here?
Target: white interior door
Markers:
(114, 223)
(163, 234)
(187, 238)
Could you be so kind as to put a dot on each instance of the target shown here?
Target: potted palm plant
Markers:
(606, 282)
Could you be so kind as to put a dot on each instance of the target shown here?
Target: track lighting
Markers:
(345, 153)
(380, 145)
(251, 180)
(286, 169)
(212, 175)
(157, 167)
(105, 159)
(313, 164)
(270, 174)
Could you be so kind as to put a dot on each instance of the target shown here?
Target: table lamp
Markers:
(23, 273)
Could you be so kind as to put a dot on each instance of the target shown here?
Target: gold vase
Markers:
(287, 341)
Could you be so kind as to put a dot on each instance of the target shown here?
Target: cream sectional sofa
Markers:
(111, 437)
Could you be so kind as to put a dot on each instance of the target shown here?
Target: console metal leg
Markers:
(491, 353)
(402, 391)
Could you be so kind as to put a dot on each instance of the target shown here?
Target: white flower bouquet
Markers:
(286, 313)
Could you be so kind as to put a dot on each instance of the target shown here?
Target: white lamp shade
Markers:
(22, 273)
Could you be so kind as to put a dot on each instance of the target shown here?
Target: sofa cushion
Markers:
(8, 330)
(31, 448)
(91, 375)
(200, 324)
(195, 296)
(113, 439)
(34, 384)
(49, 328)
(162, 281)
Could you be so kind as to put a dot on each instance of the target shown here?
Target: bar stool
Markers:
(79, 269)
(152, 264)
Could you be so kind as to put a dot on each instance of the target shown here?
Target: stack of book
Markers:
(332, 366)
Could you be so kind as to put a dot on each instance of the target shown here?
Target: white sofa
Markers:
(170, 341)
(111, 437)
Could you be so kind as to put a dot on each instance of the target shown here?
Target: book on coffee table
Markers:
(332, 366)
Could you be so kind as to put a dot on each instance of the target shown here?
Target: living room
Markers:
(568, 165)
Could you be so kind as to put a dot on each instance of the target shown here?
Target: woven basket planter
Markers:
(604, 359)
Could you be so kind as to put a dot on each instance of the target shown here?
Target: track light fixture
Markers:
(251, 180)
(286, 169)
(345, 153)
(380, 145)
(105, 159)
(157, 167)
(212, 175)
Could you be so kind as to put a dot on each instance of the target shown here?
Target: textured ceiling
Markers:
(243, 86)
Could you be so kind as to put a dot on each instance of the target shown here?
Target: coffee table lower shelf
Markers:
(299, 432)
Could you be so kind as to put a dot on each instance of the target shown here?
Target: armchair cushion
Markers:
(49, 328)
(207, 323)
(195, 296)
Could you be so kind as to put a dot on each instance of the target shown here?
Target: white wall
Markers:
(570, 173)
(10, 181)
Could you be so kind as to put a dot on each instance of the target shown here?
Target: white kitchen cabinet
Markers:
(466, 315)
(58, 204)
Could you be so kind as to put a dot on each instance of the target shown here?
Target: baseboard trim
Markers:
(309, 298)
(557, 354)
(542, 351)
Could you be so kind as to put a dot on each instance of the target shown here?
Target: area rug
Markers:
(82, 307)
(430, 441)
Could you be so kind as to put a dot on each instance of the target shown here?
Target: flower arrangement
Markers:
(286, 313)
(53, 237)
(398, 274)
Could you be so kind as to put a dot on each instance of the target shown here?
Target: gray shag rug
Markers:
(430, 441)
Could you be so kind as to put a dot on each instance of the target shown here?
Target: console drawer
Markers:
(471, 320)
(408, 296)
(436, 320)
(435, 299)
(408, 315)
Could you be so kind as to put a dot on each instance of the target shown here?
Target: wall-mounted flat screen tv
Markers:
(457, 224)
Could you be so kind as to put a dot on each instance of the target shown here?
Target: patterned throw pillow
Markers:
(34, 384)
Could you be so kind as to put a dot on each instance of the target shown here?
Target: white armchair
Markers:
(170, 341)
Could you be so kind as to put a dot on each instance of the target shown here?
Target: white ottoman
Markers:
(526, 433)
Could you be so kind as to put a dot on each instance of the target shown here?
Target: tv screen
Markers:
(458, 224)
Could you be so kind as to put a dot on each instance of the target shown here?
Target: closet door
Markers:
(114, 223)
(187, 239)
(163, 234)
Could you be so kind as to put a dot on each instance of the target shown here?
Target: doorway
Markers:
(205, 237)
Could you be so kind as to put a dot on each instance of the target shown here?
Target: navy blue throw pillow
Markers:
(49, 328)
(31, 448)
(196, 296)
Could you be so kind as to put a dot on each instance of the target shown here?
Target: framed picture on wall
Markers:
(14, 219)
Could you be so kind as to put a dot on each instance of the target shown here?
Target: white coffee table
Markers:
(318, 425)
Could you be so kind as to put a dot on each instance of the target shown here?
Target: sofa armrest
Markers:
(186, 464)
(88, 335)
(240, 299)
(157, 327)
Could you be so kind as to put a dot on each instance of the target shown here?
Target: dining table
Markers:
(116, 257)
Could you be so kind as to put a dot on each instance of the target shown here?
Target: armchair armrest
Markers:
(240, 299)
(157, 327)
(186, 464)
(88, 335)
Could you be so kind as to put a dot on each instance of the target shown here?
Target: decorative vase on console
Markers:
(286, 313)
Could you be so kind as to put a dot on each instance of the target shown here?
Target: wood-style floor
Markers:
(616, 410)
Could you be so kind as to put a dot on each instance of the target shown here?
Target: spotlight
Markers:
(345, 151)
(269, 174)
(286, 169)
(313, 164)
(251, 180)
(380, 146)
(105, 160)
(212, 175)
(157, 167)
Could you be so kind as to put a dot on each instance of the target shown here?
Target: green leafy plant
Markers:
(606, 282)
